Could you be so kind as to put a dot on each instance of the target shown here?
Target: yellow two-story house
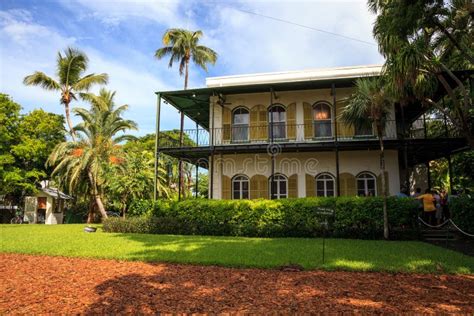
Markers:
(279, 135)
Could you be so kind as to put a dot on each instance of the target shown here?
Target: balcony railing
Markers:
(302, 133)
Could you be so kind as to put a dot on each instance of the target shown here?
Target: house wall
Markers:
(303, 164)
(31, 206)
(299, 98)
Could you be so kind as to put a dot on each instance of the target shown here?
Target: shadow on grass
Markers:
(340, 254)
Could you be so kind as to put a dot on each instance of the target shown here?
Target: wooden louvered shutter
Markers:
(258, 187)
(291, 121)
(262, 123)
(226, 124)
(347, 183)
(258, 123)
(344, 130)
(310, 182)
(379, 184)
(293, 186)
(308, 120)
(226, 188)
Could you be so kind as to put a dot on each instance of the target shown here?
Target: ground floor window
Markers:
(278, 187)
(240, 187)
(366, 184)
(325, 185)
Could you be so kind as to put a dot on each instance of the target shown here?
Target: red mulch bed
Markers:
(40, 284)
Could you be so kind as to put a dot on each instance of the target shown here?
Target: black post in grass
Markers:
(325, 213)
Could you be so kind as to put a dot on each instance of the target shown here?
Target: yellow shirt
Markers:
(428, 202)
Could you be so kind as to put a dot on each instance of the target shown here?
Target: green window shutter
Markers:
(293, 186)
(291, 120)
(310, 185)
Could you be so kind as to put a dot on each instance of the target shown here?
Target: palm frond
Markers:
(41, 79)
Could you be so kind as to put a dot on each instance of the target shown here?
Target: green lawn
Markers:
(341, 254)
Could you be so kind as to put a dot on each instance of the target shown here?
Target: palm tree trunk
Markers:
(383, 180)
(181, 176)
(69, 122)
(97, 199)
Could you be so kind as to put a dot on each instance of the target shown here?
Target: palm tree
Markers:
(424, 42)
(183, 46)
(70, 67)
(82, 163)
(368, 106)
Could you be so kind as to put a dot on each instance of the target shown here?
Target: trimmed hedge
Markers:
(462, 212)
(355, 217)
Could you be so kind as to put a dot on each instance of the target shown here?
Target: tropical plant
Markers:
(70, 68)
(427, 44)
(369, 106)
(183, 46)
(133, 179)
(82, 164)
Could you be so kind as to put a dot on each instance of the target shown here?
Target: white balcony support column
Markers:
(302, 183)
(299, 121)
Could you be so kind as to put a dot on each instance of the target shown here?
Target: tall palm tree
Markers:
(183, 46)
(369, 106)
(70, 68)
(82, 163)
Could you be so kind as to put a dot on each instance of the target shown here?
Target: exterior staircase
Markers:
(440, 234)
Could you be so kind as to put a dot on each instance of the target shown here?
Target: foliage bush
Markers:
(354, 217)
(462, 212)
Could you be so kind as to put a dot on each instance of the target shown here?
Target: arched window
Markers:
(366, 184)
(325, 185)
(278, 187)
(277, 122)
(240, 125)
(322, 119)
(240, 187)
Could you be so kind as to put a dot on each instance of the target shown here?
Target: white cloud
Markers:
(35, 47)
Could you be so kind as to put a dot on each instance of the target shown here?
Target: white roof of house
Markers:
(55, 193)
(294, 76)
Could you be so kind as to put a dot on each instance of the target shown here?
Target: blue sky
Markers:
(120, 38)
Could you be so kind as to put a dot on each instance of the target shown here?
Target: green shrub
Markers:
(354, 217)
(462, 212)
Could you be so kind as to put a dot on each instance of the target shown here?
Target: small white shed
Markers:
(46, 206)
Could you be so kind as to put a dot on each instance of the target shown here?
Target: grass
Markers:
(341, 254)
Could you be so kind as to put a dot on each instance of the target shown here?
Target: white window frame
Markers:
(240, 179)
(270, 121)
(366, 177)
(278, 178)
(325, 178)
(240, 125)
(330, 120)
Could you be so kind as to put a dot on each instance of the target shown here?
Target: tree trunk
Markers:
(69, 122)
(181, 176)
(100, 206)
(384, 188)
(90, 215)
(97, 199)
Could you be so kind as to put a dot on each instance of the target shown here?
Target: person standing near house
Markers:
(439, 209)
(429, 209)
(444, 203)
(420, 205)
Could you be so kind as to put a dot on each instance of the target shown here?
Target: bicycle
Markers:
(18, 219)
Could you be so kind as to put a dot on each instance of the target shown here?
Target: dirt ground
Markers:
(40, 284)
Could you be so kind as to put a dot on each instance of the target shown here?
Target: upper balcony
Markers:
(315, 133)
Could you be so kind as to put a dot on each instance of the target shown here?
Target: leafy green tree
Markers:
(132, 179)
(82, 164)
(369, 106)
(25, 143)
(426, 44)
(70, 68)
(183, 46)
